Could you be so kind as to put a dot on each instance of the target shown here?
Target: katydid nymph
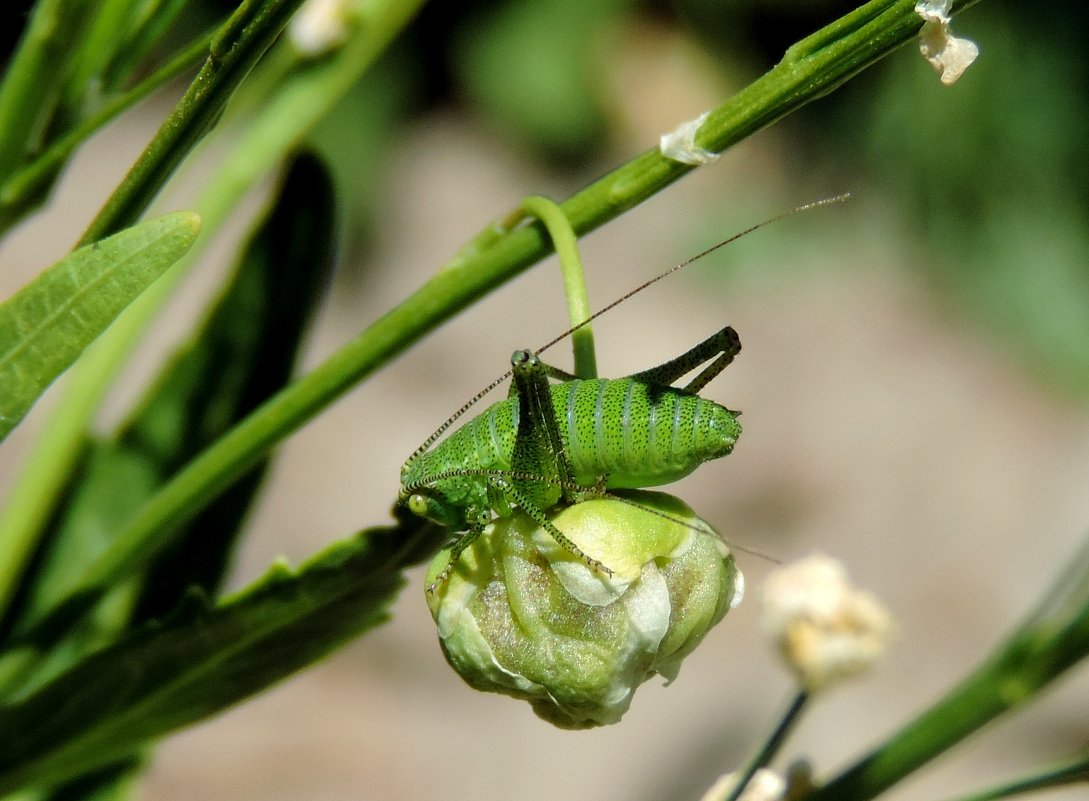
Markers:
(560, 443)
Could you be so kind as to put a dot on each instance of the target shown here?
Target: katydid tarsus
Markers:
(553, 443)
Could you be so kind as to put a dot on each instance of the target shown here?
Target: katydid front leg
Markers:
(540, 450)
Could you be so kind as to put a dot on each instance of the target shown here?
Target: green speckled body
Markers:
(634, 433)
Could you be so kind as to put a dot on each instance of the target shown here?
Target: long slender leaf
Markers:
(48, 323)
(89, 54)
(243, 353)
(206, 658)
(111, 783)
(142, 34)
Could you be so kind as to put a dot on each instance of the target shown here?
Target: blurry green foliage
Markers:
(994, 194)
(535, 72)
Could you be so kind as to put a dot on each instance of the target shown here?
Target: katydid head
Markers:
(524, 358)
(429, 504)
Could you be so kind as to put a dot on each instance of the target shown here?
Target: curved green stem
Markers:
(574, 278)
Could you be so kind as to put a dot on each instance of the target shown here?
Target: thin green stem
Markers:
(244, 38)
(1064, 775)
(772, 745)
(1054, 637)
(850, 47)
(574, 278)
(24, 189)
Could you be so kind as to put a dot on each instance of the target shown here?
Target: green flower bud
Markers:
(522, 616)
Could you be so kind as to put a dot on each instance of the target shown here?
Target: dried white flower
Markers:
(321, 25)
(680, 143)
(825, 628)
(765, 785)
(946, 53)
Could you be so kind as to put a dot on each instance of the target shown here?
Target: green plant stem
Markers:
(811, 69)
(574, 278)
(771, 746)
(244, 38)
(24, 189)
(1051, 640)
(1064, 775)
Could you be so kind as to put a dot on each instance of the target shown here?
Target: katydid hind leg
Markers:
(722, 347)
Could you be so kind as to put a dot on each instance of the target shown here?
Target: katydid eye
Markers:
(417, 504)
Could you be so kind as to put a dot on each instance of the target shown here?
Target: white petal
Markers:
(946, 53)
(680, 143)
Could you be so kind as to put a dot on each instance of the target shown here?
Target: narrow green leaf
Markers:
(243, 353)
(48, 323)
(294, 110)
(252, 343)
(82, 87)
(206, 658)
(142, 35)
(111, 783)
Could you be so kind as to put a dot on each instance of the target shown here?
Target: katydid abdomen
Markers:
(638, 434)
(635, 434)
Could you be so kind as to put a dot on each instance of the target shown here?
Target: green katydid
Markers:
(551, 443)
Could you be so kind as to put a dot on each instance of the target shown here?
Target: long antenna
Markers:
(815, 204)
(828, 201)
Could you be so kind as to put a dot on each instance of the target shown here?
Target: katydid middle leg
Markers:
(539, 450)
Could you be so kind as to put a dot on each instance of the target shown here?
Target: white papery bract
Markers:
(947, 54)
